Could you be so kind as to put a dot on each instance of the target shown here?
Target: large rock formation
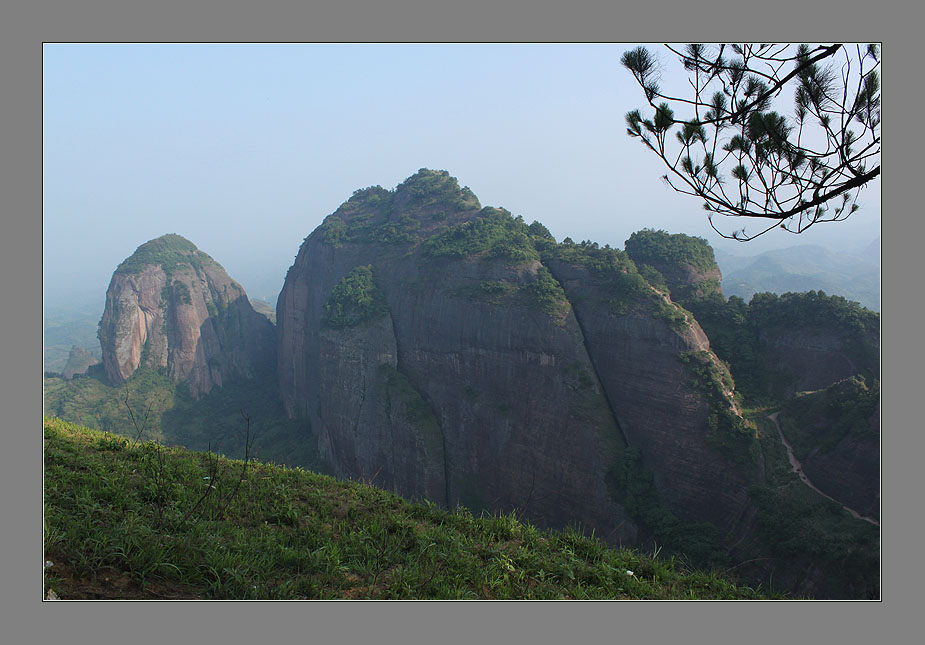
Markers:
(171, 306)
(432, 347)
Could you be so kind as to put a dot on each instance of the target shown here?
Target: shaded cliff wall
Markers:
(657, 403)
(805, 359)
(529, 398)
(510, 415)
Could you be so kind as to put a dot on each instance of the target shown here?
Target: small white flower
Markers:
(49, 564)
(628, 572)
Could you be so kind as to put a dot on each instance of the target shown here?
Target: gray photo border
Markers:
(26, 618)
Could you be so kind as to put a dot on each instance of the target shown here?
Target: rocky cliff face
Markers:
(658, 402)
(171, 306)
(435, 352)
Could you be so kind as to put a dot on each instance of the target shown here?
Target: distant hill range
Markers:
(855, 276)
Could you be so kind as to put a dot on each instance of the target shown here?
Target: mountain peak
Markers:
(170, 242)
(433, 193)
(170, 306)
(166, 251)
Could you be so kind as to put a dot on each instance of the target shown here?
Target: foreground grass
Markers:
(128, 519)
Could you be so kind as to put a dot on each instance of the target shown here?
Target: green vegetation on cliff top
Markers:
(616, 273)
(494, 233)
(170, 251)
(619, 282)
(812, 310)
(437, 189)
(546, 294)
(128, 519)
(660, 247)
(543, 292)
(369, 215)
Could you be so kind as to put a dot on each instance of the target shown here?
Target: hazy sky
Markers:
(244, 149)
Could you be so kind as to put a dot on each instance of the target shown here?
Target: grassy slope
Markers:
(130, 520)
(212, 421)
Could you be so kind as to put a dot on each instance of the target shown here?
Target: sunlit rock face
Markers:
(171, 306)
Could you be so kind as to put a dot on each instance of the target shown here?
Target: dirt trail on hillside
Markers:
(798, 469)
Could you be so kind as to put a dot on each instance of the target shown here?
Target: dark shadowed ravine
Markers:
(798, 469)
